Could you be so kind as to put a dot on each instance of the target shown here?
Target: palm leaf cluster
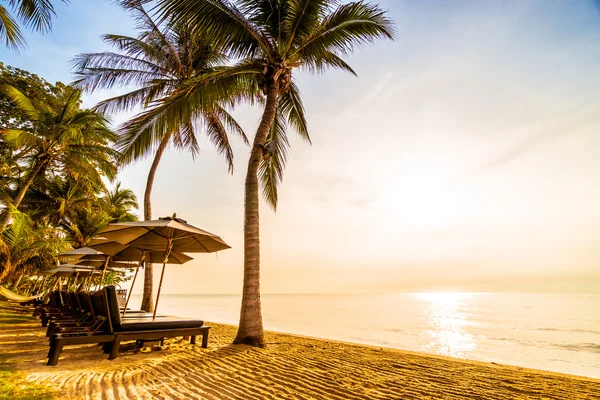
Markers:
(156, 63)
(58, 158)
(34, 14)
(266, 40)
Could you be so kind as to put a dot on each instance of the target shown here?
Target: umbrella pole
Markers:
(43, 283)
(162, 275)
(75, 281)
(133, 282)
(104, 271)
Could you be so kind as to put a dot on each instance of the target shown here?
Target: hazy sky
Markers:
(465, 156)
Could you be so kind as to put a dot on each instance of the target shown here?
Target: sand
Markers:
(291, 367)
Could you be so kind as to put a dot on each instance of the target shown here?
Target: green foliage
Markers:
(271, 39)
(159, 61)
(35, 14)
(63, 140)
(26, 248)
(56, 158)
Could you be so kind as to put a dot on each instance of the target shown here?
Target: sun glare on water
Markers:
(447, 319)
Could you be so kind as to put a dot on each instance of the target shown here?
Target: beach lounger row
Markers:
(95, 318)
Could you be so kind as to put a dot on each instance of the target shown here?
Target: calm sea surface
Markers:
(556, 332)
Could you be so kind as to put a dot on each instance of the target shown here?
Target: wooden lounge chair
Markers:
(115, 330)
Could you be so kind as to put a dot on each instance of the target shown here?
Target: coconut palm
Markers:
(36, 14)
(118, 203)
(270, 39)
(62, 139)
(158, 62)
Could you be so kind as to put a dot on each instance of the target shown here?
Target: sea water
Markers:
(555, 332)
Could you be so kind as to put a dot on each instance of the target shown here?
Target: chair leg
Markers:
(55, 350)
(114, 351)
(193, 339)
(205, 339)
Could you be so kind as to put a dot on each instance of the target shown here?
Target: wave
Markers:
(567, 330)
(587, 347)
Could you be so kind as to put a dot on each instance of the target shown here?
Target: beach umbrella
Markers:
(85, 253)
(121, 253)
(167, 235)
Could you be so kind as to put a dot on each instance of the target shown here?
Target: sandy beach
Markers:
(291, 366)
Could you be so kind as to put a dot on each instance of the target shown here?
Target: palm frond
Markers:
(216, 133)
(9, 31)
(20, 100)
(349, 26)
(270, 172)
(226, 25)
(291, 107)
(35, 13)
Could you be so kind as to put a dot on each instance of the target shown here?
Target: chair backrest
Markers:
(86, 303)
(100, 304)
(113, 306)
(74, 301)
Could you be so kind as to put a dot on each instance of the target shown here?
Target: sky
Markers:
(465, 156)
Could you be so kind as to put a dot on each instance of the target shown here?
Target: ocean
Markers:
(548, 331)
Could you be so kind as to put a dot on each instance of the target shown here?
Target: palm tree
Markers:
(118, 204)
(22, 245)
(62, 139)
(159, 62)
(36, 14)
(83, 224)
(271, 39)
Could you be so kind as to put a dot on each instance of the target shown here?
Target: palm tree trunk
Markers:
(21, 194)
(148, 297)
(250, 330)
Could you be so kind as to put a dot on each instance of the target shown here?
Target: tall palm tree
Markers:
(36, 14)
(271, 38)
(62, 139)
(161, 60)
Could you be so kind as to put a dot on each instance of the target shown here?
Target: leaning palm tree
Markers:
(61, 139)
(36, 14)
(161, 60)
(270, 39)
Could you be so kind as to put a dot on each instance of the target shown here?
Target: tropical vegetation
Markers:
(56, 161)
(191, 62)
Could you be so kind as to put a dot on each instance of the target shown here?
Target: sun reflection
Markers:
(447, 319)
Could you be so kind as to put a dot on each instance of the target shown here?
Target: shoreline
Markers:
(292, 366)
(422, 354)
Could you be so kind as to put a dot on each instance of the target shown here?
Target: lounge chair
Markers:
(115, 330)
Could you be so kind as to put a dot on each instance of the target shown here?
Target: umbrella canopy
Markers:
(82, 253)
(161, 234)
(123, 253)
(166, 235)
(101, 264)
(68, 270)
